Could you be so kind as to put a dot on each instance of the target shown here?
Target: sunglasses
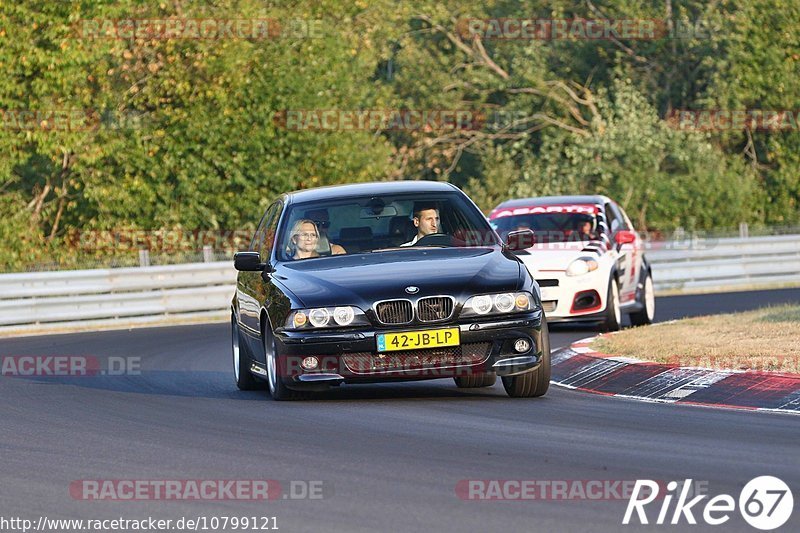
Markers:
(323, 223)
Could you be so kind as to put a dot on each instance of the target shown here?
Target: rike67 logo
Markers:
(765, 503)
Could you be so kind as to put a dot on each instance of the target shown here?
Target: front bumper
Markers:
(350, 356)
(560, 292)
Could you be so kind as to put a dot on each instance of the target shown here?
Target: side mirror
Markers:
(247, 261)
(624, 237)
(519, 240)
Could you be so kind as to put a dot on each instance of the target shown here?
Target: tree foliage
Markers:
(185, 133)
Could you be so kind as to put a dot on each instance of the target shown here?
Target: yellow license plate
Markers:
(415, 340)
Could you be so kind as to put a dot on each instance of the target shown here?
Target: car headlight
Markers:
(502, 303)
(344, 316)
(480, 304)
(581, 266)
(326, 317)
(319, 317)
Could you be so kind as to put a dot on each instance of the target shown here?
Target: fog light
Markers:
(310, 363)
(522, 345)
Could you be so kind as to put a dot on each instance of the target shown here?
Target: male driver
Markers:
(426, 220)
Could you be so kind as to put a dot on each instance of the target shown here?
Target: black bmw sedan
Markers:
(379, 282)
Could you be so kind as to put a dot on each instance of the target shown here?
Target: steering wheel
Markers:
(435, 239)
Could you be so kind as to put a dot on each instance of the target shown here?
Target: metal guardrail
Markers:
(710, 263)
(42, 298)
(46, 299)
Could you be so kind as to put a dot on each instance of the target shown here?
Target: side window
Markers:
(268, 238)
(625, 220)
(612, 219)
(258, 236)
(623, 224)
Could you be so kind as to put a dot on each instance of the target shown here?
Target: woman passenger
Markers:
(303, 240)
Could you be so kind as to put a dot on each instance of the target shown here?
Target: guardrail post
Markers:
(744, 231)
(678, 236)
(208, 254)
(144, 258)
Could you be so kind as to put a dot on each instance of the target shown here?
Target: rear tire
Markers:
(241, 363)
(613, 318)
(474, 381)
(277, 389)
(535, 383)
(646, 314)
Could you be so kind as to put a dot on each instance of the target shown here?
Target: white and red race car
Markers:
(585, 255)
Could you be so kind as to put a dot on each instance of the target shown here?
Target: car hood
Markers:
(557, 256)
(362, 279)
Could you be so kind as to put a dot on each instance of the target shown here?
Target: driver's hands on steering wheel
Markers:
(435, 239)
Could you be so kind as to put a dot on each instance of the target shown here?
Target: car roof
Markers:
(364, 189)
(555, 200)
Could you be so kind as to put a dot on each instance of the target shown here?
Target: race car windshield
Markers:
(381, 223)
(550, 227)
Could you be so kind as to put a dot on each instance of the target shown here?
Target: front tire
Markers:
(277, 389)
(474, 381)
(647, 313)
(535, 383)
(241, 363)
(613, 315)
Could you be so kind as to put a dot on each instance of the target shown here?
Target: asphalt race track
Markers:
(389, 456)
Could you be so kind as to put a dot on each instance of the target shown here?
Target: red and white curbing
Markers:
(582, 368)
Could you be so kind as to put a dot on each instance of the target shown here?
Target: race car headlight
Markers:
(581, 266)
(502, 303)
(326, 317)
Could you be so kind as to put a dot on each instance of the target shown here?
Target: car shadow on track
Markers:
(219, 385)
(420, 390)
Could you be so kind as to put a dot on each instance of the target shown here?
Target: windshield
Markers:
(377, 223)
(550, 227)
